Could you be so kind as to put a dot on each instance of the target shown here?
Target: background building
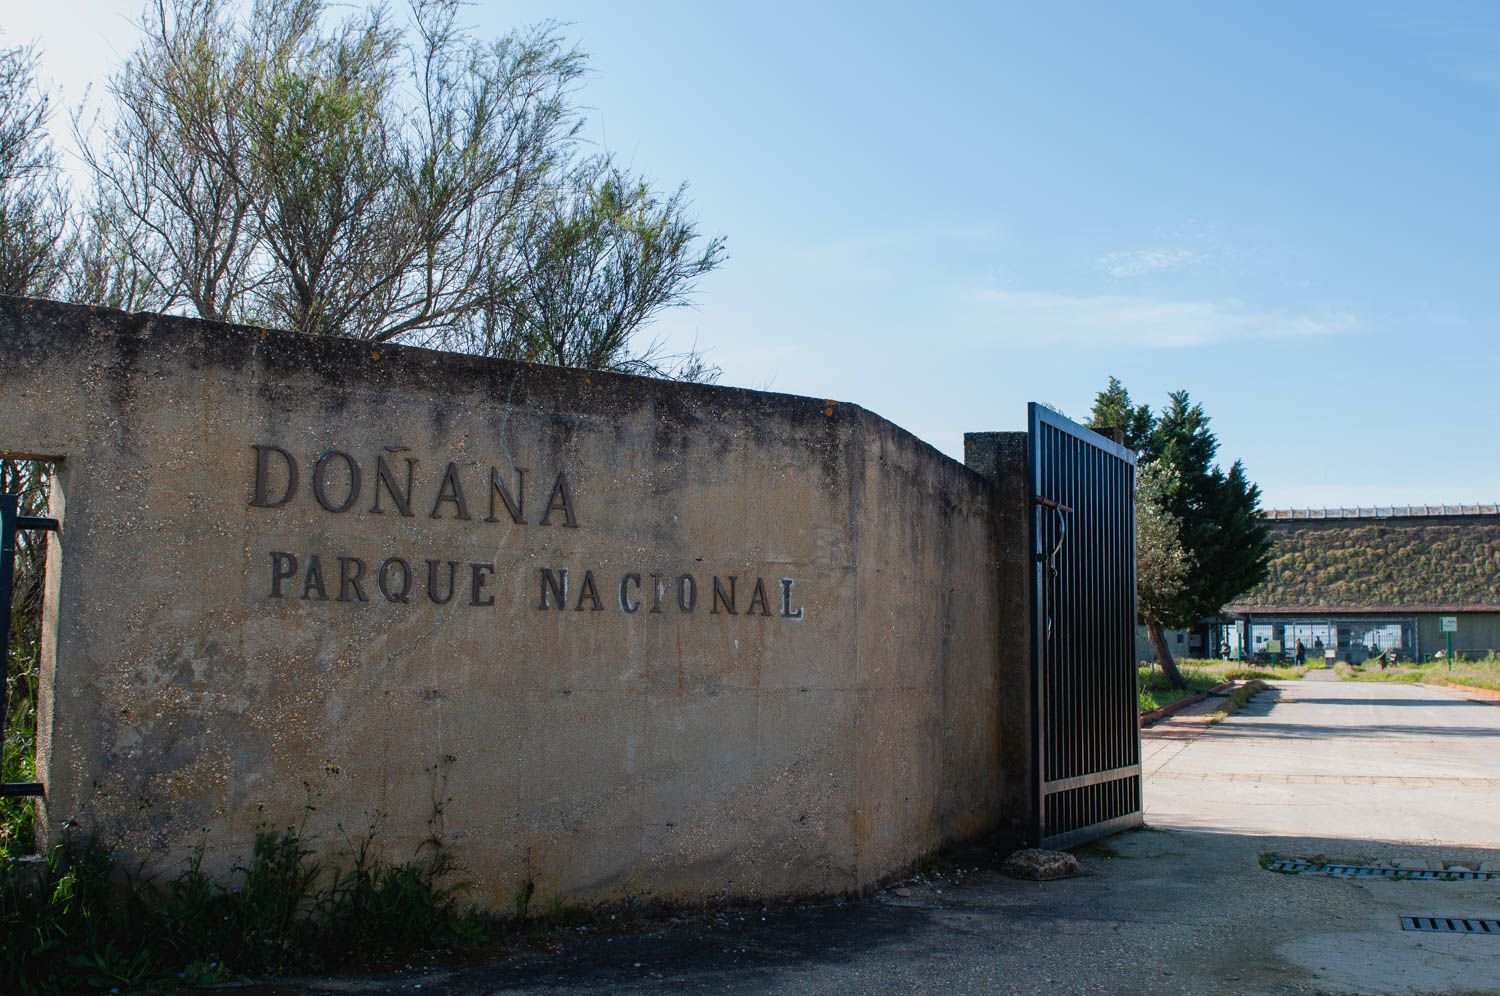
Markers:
(1362, 581)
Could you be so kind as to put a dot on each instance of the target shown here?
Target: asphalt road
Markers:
(1340, 771)
(1363, 760)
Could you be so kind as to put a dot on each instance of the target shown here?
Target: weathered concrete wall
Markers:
(1000, 457)
(216, 656)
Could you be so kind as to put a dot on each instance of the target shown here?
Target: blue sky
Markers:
(1288, 209)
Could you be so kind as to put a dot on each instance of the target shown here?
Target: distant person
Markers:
(1223, 651)
(1301, 653)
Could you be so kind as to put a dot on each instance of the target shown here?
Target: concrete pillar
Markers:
(1001, 458)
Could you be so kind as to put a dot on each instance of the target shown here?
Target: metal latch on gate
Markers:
(11, 522)
(1058, 509)
(1050, 559)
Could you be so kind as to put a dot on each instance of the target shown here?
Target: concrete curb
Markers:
(1483, 693)
(1148, 718)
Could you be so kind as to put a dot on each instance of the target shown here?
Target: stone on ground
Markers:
(1040, 866)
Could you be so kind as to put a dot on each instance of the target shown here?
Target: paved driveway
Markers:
(1352, 760)
(1353, 772)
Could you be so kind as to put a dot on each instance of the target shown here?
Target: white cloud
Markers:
(1123, 320)
(1139, 262)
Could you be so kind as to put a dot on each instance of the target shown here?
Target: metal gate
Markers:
(1086, 725)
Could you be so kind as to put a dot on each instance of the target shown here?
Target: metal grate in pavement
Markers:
(1296, 866)
(1450, 925)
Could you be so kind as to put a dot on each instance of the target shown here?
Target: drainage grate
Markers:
(1450, 925)
(1296, 866)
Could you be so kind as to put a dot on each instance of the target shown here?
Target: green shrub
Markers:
(89, 924)
(18, 752)
(1153, 691)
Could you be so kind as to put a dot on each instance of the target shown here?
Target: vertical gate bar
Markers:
(1109, 610)
(1126, 651)
(1127, 590)
(1064, 614)
(1059, 624)
(1133, 674)
(1101, 620)
(1054, 624)
(1090, 661)
(1101, 614)
(1081, 624)
(1101, 610)
(1124, 580)
(1107, 635)
(1069, 667)
(1124, 570)
(1116, 684)
(1101, 600)
(1082, 705)
(1036, 444)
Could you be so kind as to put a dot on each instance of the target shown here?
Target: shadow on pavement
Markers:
(1155, 911)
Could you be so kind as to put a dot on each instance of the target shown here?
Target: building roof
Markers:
(1380, 511)
(1434, 562)
(1344, 610)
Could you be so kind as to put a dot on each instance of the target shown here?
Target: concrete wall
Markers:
(204, 672)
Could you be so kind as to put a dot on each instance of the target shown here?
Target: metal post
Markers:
(11, 521)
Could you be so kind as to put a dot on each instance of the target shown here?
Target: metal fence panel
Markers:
(1088, 743)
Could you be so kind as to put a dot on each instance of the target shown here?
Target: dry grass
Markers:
(1237, 699)
(1476, 674)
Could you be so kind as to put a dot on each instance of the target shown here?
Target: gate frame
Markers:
(1038, 416)
(11, 522)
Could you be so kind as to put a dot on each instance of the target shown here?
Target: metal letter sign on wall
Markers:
(1087, 728)
(11, 520)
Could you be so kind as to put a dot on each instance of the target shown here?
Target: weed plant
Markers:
(18, 751)
(1237, 700)
(89, 924)
(1153, 690)
(1483, 673)
(1249, 670)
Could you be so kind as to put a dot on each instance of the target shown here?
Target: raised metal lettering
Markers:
(626, 605)
(758, 597)
(314, 580)
(451, 490)
(384, 475)
(404, 595)
(350, 579)
(557, 585)
(478, 578)
(720, 598)
(561, 501)
(283, 566)
(514, 504)
(320, 481)
(262, 496)
(432, 581)
(589, 591)
(786, 600)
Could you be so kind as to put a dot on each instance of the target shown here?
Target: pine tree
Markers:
(1114, 409)
(1215, 514)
